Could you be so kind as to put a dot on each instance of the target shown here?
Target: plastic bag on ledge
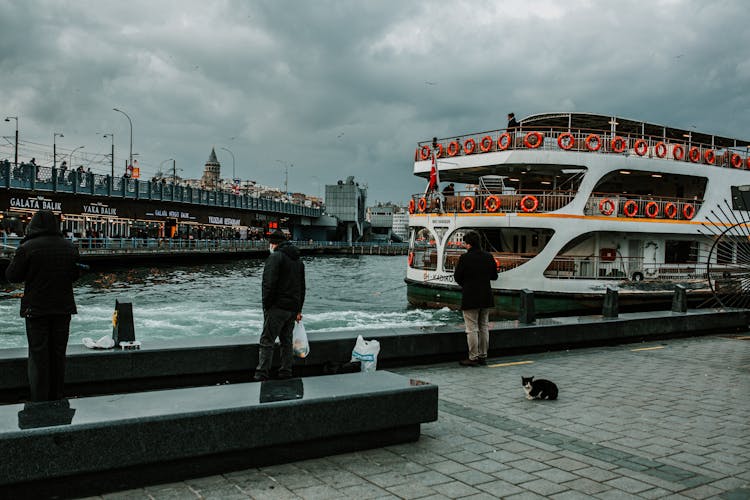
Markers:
(106, 342)
(300, 345)
(366, 352)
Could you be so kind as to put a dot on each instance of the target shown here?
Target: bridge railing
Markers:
(32, 177)
(96, 246)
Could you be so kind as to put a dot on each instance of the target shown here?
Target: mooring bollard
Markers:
(123, 329)
(526, 312)
(679, 299)
(610, 309)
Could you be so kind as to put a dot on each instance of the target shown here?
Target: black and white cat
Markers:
(539, 389)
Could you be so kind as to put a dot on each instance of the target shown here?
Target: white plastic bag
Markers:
(105, 342)
(300, 345)
(366, 352)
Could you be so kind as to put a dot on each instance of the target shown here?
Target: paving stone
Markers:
(587, 486)
(456, 489)
(320, 492)
(555, 475)
(628, 484)
(450, 466)
(488, 466)
(413, 490)
(429, 478)
(499, 488)
(528, 465)
(363, 491)
(387, 479)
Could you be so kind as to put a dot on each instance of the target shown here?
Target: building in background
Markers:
(212, 172)
(346, 200)
(401, 224)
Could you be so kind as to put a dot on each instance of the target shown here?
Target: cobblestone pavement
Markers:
(653, 420)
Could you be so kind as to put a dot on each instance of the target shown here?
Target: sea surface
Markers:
(344, 293)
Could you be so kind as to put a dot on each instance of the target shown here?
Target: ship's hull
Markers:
(507, 302)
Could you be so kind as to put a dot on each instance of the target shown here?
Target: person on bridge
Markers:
(474, 271)
(48, 265)
(283, 298)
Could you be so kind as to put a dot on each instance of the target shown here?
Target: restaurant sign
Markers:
(36, 203)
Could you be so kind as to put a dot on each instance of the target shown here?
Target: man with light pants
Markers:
(474, 272)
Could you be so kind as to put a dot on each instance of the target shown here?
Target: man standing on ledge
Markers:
(47, 263)
(474, 271)
(283, 297)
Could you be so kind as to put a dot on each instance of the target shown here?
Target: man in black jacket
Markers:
(47, 263)
(283, 297)
(474, 271)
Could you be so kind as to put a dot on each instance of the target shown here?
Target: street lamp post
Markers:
(112, 135)
(228, 151)
(131, 132)
(8, 119)
(70, 156)
(55, 135)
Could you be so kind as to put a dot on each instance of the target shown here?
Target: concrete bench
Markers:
(101, 443)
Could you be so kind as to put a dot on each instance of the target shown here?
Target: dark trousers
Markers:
(48, 340)
(276, 323)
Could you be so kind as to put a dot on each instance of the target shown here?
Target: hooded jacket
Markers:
(46, 262)
(474, 271)
(284, 279)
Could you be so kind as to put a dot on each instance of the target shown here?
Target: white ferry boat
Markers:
(572, 203)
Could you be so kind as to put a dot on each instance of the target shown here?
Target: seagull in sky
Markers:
(430, 83)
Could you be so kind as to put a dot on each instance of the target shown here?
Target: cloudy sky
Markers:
(337, 88)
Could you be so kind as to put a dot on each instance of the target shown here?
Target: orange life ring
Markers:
(748, 162)
(425, 152)
(607, 206)
(631, 208)
(618, 144)
(422, 204)
(492, 203)
(652, 209)
(453, 148)
(562, 138)
(498, 264)
(688, 211)
(503, 141)
(736, 160)
(593, 138)
(660, 149)
(694, 154)
(640, 147)
(411, 258)
(416, 154)
(678, 152)
(411, 206)
(467, 204)
(469, 146)
(485, 144)
(527, 140)
(534, 203)
(670, 210)
(441, 151)
(710, 156)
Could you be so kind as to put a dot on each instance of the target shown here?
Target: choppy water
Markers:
(223, 300)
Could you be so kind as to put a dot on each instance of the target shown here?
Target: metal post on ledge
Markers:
(526, 310)
(679, 299)
(610, 309)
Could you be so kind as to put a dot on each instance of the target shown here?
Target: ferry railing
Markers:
(585, 140)
(633, 207)
(623, 268)
(42, 178)
(487, 202)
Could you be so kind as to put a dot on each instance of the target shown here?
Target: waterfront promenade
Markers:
(662, 419)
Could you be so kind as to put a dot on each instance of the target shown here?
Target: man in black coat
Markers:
(47, 263)
(474, 271)
(283, 297)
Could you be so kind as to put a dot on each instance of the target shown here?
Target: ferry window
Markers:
(510, 247)
(423, 251)
(680, 252)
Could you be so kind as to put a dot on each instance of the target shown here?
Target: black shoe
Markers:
(259, 378)
(482, 361)
(468, 362)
